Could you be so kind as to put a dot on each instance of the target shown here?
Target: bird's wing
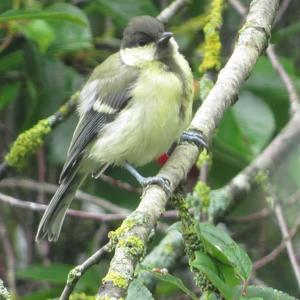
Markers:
(105, 94)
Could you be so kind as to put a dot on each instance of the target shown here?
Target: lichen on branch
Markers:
(212, 43)
(32, 139)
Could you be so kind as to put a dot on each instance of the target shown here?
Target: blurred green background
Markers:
(47, 51)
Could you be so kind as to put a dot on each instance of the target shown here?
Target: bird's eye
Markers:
(142, 43)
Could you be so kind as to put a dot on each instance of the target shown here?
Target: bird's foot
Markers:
(162, 181)
(194, 137)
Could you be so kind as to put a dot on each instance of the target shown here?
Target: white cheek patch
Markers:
(173, 44)
(138, 55)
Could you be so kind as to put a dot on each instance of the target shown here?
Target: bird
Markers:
(133, 107)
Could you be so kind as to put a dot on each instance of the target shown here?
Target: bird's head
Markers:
(144, 40)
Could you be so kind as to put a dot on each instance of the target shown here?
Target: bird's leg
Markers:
(194, 137)
(163, 182)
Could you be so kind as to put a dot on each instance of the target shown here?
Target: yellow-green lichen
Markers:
(27, 143)
(133, 245)
(168, 249)
(64, 110)
(74, 274)
(116, 279)
(81, 296)
(203, 158)
(116, 235)
(212, 43)
(202, 190)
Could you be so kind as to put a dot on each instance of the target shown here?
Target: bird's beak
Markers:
(164, 39)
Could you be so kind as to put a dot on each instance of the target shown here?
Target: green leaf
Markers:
(138, 291)
(12, 61)
(221, 246)
(207, 265)
(43, 294)
(285, 32)
(69, 37)
(166, 277)
(265, 293)
(54, 273)
(20, 14)
(240, 132)
(40, 32)
(9, 93)
(122, 11)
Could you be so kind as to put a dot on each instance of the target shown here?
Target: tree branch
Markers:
(76, 273)
(288, 243)
(171, 10)
(252, 41)
(275, 252)
(51, 188)
(101, 217)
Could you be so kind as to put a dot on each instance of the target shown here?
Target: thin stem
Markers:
(51, 188)
(275, 252)
(71, 212)
(78, 272)
(171, 10)
(288, 243)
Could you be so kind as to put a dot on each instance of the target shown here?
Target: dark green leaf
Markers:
(138, 291)
(286, 32)
(265, 293)
(69, 37)
(122, 11)
(14, 15)
(12, 61)
(170, 279)
(54, 273)
(221, 246)
(43, 294)
(206, 264)
(9, 93)
(40, 32)
(240, 131)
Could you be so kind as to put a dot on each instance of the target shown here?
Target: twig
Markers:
(71, 212)
(76, 273)
(240, 185)
(10, 258)
(171, 10)
(120, 184)
(239, 7)
(282, 9)
(251, 42)
(17, 156)
(291, 89)
(51, 188)
(102, 217)
(288, 243)
(264, 212)
(275, 252)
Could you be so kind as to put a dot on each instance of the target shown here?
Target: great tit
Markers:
(134, 106)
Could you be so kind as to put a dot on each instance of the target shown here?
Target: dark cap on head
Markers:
(141, 31)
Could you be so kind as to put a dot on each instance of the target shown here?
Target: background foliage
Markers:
(47, 50)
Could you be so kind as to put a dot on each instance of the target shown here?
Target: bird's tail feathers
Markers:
(54, 215)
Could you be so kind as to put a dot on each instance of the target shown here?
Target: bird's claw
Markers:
(195, 137)
(161, 181)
